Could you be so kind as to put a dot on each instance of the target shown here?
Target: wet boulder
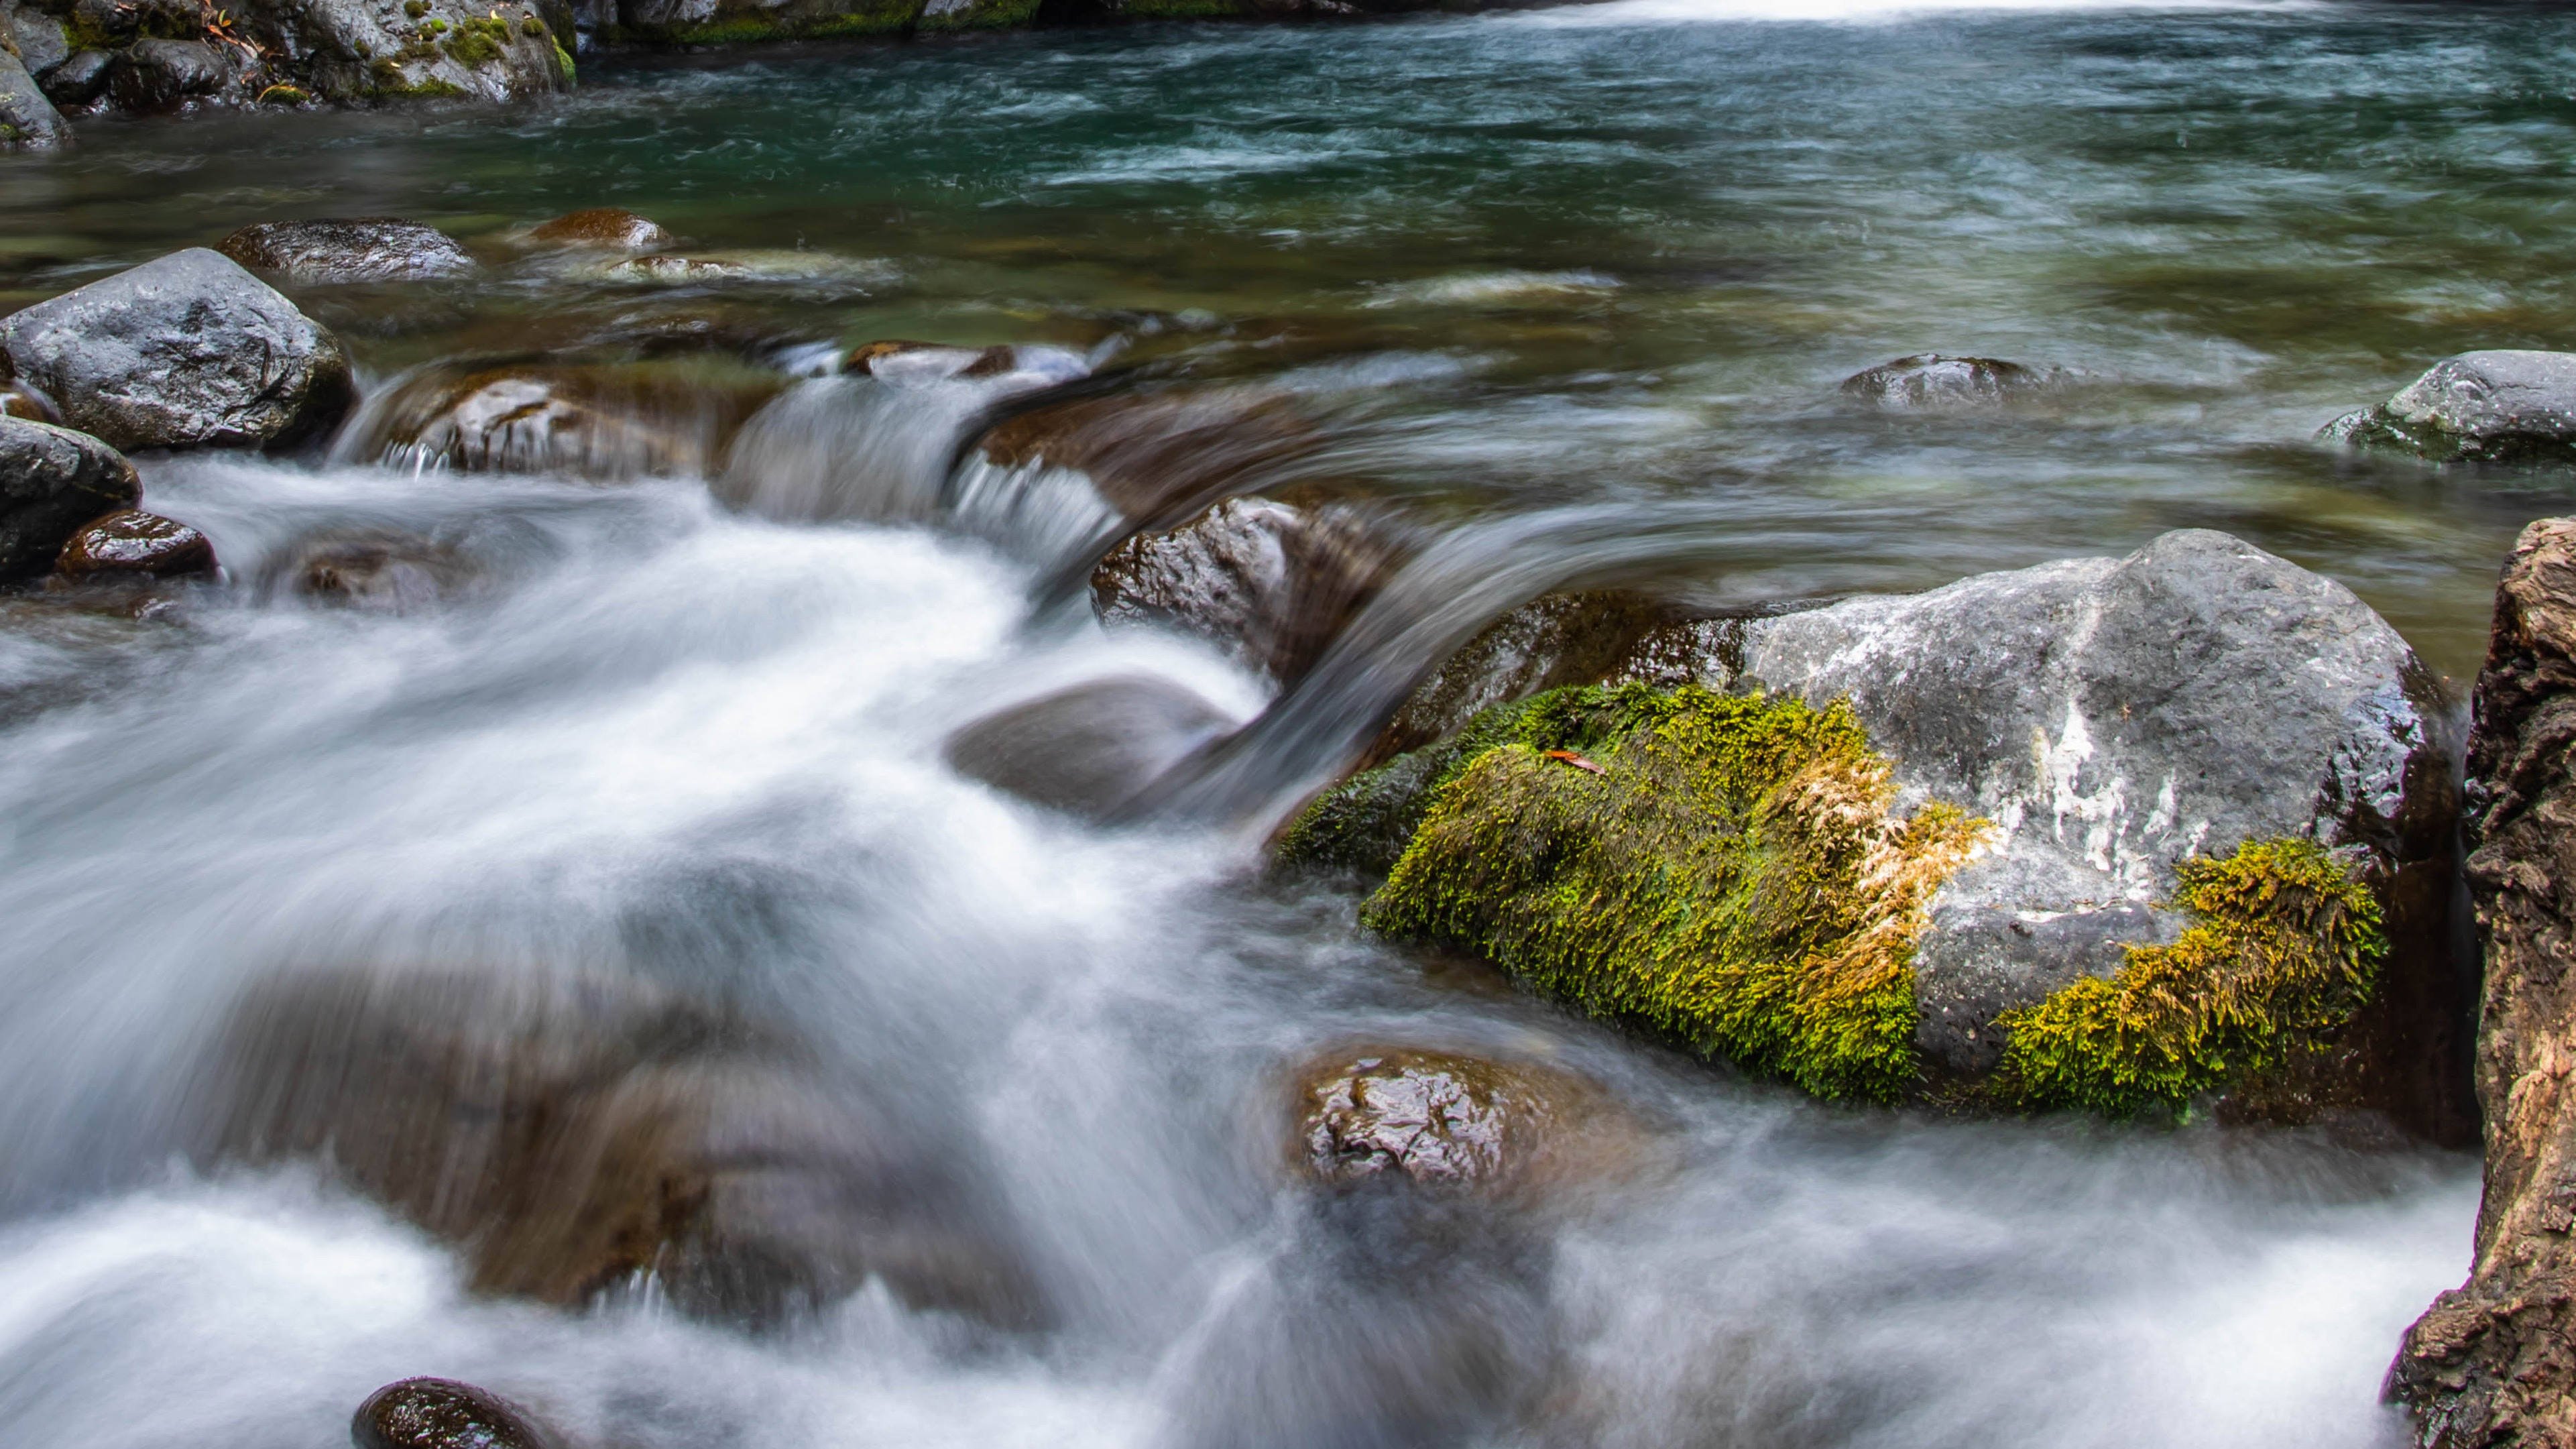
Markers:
(444, 1414)
(378, 573)
(693, 22)
(186, 351)
(2480, 407)
(604, 421)
(130, 541)
(1550, 642)
(28, 120)
(586, 1138)
(1089, 749)
(80, 79)
(2197, 791)
(41, 43)
(18, 400)
(1269, 582)
(1934, 381)
(1162, 458)
(606, 227)
(1451, 1122)
(362, 249)
(154, 75)
(52, 481)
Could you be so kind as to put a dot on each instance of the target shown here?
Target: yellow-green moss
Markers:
(2287, 944)
(1365, 822)
(1734, 876)
(565, 70)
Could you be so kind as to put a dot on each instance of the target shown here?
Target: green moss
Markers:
(565, 71)
(1734, 876)
(479, 42)
(1365, 822)
(2287, 945)
(283, 94)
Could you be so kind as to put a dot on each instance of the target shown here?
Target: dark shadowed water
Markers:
(1573, 288)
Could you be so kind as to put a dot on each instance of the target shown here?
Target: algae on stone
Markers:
(1729, 870)
(2287, 945)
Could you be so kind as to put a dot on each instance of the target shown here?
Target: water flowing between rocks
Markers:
(1562, 296)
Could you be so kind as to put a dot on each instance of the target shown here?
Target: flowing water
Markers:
(1568, 292)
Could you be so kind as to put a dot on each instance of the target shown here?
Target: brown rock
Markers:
(443, 1414)
(601, 226)
(1552, 641)
(1446, 1121)
(1269, 582)
(379, 573)
(2493, 1362)
(601, 421)
(1161, 458)
(52, 480)
(19, 400)
(935, 358)
(131, 541)
(363, 249)
(598, 1136)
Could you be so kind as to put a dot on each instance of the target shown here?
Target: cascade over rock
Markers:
(2493, 1362)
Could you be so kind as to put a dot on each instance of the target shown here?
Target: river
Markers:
(1572, 290)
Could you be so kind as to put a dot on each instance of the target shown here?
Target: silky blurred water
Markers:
(1573, 288)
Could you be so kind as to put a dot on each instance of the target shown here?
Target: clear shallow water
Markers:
(1610, 262)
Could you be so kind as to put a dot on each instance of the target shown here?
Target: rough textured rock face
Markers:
(2493, 1363)
(28, 120)
(2199, 759)
(2485, 407)
(1089, 749)
(185, 351)
(602, 421)
(52, 481)
(1933, 381)
(2114, 716)
(1270, 582)
(154, 75)
(444, 1414)
(371, 50)
(130, 541)
(80, 79)
(1449, 1122)
(583, 1138)
(364, 249)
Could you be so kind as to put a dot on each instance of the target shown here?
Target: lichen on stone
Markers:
(2287, 945)
(1728, 870)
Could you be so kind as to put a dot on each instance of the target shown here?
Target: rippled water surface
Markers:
(1573, 289)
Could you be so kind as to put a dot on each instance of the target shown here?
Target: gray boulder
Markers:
(41, 43)
(362, 50)
(185, 351)
(2484, 407)
(1089, 749)
(364, 249)
(28, 121)
(52, 481)
(2114, 716)
(80, 79)
(164, 75)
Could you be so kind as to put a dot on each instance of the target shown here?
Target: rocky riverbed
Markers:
(1040, 742)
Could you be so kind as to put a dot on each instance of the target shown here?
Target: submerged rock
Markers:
(186, 351)
(1444, 1121)
(1269, 582)
(608, 227)
(2482, 407)
(597, 420)
(1932, 381)
(52, 481)
(2493, 1362)
(131, 541)
(593, 1137)
(2144, 763)
(1091, 748)
(444, 1414)
(362, 249)
(378, 573)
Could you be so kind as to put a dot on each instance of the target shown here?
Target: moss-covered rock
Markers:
(2505, 406)
(1729, 870)
(2286, 946)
